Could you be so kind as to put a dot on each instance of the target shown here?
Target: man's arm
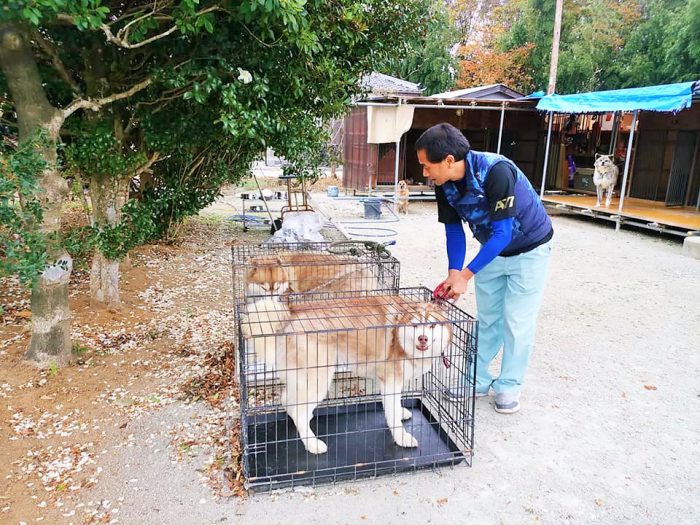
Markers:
(456, 245)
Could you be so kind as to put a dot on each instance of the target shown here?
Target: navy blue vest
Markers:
(531, 222)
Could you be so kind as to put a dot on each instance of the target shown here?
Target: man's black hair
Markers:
(442, 140)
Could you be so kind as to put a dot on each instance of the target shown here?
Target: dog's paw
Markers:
(404, 439)
(405, 414)
(315, 446)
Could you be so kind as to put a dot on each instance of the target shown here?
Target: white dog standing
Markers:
(604, 178)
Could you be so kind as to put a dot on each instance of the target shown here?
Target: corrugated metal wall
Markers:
(374, 163)
(679, 179)
(648, 165)
(359, 158)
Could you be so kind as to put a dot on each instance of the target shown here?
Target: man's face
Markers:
(438, 172)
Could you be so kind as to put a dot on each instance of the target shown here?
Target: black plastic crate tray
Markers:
(357, 435)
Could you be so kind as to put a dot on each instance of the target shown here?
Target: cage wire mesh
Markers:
(273, 269)
(302, 423)
(283, 268)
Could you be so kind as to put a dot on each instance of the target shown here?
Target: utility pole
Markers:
(555, 49)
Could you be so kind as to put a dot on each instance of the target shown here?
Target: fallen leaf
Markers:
(650, 387)
(599, 502)
(441, 501)
(25, 314)
(396, 492)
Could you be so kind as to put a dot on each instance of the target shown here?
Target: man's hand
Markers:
(455, 284)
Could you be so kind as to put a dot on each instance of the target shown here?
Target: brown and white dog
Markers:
(402, 197)
(604, 177)
(390, 339)
(300, 271)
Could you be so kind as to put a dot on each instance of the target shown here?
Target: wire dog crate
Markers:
(304, 424)
(275, 269)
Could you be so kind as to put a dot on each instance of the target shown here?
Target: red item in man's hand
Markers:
(441, 291)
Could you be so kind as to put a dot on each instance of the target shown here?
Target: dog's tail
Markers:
(265, 319)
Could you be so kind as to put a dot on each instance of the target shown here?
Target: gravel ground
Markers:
(608, 432)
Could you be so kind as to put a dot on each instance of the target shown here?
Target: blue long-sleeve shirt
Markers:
(457, 242)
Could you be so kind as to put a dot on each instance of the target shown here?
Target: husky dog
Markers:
(390, 339)
(306, 272)
(604, 177)
(402, 197)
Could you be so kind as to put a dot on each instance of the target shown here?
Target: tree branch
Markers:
(273, 44)
(121, 39)
(123, 33)
(96, 104)
(147, 166)
(52, 51)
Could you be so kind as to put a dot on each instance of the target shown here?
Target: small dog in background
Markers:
(604, 177)
(402, 197)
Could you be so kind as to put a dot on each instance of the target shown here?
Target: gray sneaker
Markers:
(458, 393)
(507, 403)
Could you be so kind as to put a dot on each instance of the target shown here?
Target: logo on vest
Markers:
(504, 204)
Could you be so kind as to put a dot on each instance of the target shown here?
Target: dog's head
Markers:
(403, 186)
(266, 277)
(426, 334)
(603, 161)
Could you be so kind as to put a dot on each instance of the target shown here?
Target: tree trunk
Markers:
(104, 282)
(50, 342)
(108, 195)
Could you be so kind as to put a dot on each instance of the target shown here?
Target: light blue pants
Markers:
(508, 297)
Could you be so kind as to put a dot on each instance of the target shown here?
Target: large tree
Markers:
(180, 95)
(664, 46)
(428, 59)
(607, 44)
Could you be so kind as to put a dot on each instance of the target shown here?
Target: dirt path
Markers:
(607, 434)
(91, 442)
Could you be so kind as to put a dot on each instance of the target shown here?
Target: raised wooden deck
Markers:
(638, 212)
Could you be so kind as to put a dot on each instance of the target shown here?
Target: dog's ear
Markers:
(598, 155)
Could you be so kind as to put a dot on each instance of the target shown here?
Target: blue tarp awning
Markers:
(670, 97)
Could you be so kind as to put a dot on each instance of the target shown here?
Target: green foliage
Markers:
(227, 82)
(606, 44)
(97, 152)
(79, 349)
(427, 60)
(22, 243)
(665, 45)
(86, 14)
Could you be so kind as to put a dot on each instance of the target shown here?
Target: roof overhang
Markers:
(666, 98)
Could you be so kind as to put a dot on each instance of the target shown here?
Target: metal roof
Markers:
(381, 84)
(490, 91)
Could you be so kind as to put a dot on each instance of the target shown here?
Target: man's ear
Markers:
(450, 160)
